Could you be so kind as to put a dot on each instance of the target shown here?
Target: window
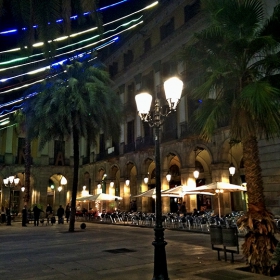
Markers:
(131, 94)
(113, 69)
(130, 132)
(21, 150)
(127, 58)
(101, 143)
(191, 10)
(148, 82)
(167, 29)
(147, 45)
(59, 152)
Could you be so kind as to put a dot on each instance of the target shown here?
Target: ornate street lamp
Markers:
(10, 182)
(173, 90)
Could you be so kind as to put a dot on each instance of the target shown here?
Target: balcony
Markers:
(130, 147)
(169, 135)
(143, 143)
(86, 160)
(107, 154)
(186, 130)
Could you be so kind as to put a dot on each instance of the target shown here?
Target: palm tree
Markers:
(233, 67)
(80, 103)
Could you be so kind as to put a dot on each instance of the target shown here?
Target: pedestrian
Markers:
(60, 213)
(183, 209)
(48, 213)
(15, 210)
(24, 216)
(36, 213)
(195, 212)
(133, 207)
(67, 212)
(3, 215)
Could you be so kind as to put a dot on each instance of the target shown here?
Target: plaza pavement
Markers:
(106, 251)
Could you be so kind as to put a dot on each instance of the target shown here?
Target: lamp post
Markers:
(10, 183)
(173, 90)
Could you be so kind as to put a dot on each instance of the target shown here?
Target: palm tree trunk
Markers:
(27, 167)
(75, 178)
(260, 241)
(253, 173)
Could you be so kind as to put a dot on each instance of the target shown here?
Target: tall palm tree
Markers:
(233, 66)
(80, 103)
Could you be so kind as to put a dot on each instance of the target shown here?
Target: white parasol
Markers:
(100, 196)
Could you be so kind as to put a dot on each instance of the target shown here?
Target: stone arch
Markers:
(56, 190)
(147, 166)
(114, 176)
(233, 153)
(87, 182)
(169, 156)
(173, 167)
(205, 156)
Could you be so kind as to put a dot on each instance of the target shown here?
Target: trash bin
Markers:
(216, 235)
(230, 237)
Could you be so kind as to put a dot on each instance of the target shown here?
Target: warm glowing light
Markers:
(196, 174)
(63, 181)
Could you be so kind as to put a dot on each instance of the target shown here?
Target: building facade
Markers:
(143, 60)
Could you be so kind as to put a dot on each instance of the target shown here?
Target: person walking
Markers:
(48, 213)
(36, 213)
(67, 212)
(24, 216)
(3, 215)
(183, 209)
(60, 213)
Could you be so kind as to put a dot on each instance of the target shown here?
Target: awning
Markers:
(100, 196)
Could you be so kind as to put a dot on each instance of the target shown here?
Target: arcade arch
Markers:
(57, 191)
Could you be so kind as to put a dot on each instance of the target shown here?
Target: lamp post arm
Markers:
(156, 118)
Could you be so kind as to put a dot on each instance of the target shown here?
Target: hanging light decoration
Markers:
(146, 178)
(127, 181)
(168, 177)
(196, 172)
(231, 166)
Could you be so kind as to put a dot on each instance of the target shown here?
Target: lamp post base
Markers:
(160, 264)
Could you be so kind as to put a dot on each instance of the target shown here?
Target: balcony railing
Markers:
(169, 135)
(144, 142)
(130, 147)
(105, 155)
(185, 130)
